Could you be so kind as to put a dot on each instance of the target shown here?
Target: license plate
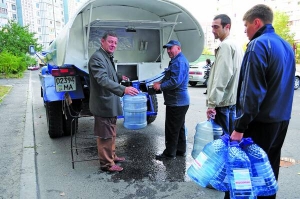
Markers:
(67, 83)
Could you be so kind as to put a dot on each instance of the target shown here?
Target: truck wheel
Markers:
(67, 123)
(151, 118)
(54, 119)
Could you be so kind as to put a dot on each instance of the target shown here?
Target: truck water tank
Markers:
(135, 109)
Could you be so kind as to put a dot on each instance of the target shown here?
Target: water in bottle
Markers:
(220, 179)
(206, 132)
(135, 110)
(263, 178)
(208, 161)
(239, 173)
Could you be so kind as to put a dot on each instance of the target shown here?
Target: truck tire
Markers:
(54, 119)
(151, 118)
(67, 123)
(193, 83)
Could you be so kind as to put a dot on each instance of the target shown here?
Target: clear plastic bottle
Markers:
(208, 161)
(263, 178)
(239, 173)
(206, 132)
(135, 110)
(220, 180)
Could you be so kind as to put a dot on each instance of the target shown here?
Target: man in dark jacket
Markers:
(266, 86)
(105, 104)
(175, 90)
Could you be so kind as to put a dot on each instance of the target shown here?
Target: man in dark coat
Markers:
(105, 104)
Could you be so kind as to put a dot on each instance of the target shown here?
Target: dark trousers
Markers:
(175, 139)
(270, 137)
(225, 117)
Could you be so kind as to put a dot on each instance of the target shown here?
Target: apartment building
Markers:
(44, 17)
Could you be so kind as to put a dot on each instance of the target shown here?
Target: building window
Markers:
(37, 5)
(14, 16)
(38, 13)
(13, 7)
(39, 29)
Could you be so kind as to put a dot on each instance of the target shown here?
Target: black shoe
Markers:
(178, 153)
(205, 92)
(164, 157)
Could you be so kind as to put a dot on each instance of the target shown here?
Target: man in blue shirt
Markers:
(175, 90)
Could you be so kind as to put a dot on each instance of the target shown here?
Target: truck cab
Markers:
(143, 27)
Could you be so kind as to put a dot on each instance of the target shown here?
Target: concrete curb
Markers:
(28, 184)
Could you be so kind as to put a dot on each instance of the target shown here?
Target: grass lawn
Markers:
(3, 91)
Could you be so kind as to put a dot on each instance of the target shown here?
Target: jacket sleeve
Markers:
(222, 74)
(253, 89)
(104, 76)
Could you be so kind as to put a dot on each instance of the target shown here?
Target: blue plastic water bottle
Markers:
(206, 132)
(135, 110)
(263, 178)
(220, 179)
(239, 173)
(208, 161)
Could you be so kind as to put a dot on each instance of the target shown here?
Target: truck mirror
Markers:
(31, 50)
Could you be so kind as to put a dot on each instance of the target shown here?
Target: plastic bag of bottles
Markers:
(263, 178)
(209, 160)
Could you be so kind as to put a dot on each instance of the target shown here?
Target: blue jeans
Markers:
(225, 117)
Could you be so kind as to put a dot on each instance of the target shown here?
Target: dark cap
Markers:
(172, 43)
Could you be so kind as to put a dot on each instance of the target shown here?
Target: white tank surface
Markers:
(143, 27)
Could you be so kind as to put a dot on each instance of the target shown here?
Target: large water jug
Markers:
(263, 178)
(206, 132)
(220, 180)
(239, 173)
(208, 161)
(135, 109)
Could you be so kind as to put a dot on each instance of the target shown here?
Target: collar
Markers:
(108, 55)
(259, 32)
(176, 56)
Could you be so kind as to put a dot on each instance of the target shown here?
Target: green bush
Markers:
(14, 65)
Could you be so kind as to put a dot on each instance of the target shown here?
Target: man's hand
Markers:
(236, 136)
(156, 86)
(211, 113)
(131, 91)
(125, 78)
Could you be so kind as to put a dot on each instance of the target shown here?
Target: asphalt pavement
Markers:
(17, 171)
(18, 152)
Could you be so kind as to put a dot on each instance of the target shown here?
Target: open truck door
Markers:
(143, 27)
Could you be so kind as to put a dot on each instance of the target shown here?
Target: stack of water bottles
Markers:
(241, 168)
(263, 178)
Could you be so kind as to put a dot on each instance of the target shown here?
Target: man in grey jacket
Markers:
(223, 80)
(105, 105)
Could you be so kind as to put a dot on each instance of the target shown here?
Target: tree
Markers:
(14, 43)
(206, 51)
(16, 39)
(280, 23)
